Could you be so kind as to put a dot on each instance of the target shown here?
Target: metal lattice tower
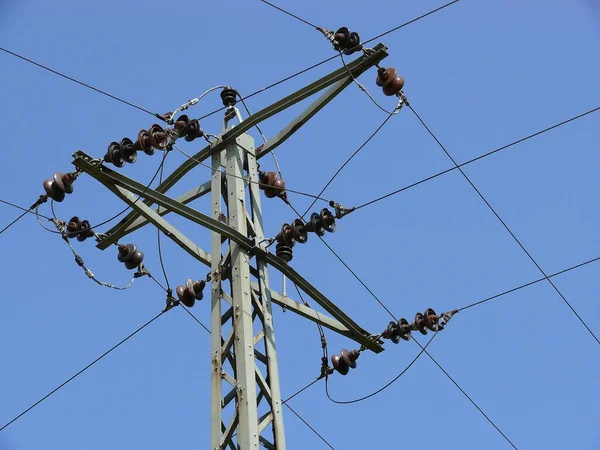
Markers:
(246, 404)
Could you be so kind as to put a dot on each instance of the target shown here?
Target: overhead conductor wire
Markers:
(423, 349)
(81, 371)
(283, 80)
(346, 162)
(100, 91)
(505, 226)
(485, 155)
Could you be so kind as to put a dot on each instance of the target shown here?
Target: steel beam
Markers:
(264, 297)
(340, 77)
(360, 335)
(127, 226)
(83, 162)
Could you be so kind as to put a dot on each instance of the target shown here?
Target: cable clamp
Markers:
(340, 210)
(141, 272)
(445, 318)
(43, 199)
(325, 369)
(171, 301)
(329, 35)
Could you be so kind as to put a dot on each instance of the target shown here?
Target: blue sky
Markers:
(481, 74)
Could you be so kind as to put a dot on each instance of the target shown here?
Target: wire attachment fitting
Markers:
(445, 318)
(340, 210)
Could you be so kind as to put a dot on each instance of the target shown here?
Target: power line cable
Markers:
(244, 178)
(422, 16)
(289, 14)
(485, 155)
(348, 267)
(372, 394)
(13, 222)
(466, 395)
(529, 284)
(195, 318)
(314, 66)
(158, 236)
(309, 425)
(347, 161)
(24, 209)
(284, 401)
(158, 170)
(100, 91)
(272, 152)
(506, 226)
(81, 371)
(300, 390)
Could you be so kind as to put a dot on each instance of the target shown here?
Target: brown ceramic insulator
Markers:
(393, 86)
(327, 220)
(126, 252)
(286, 235)
(384, 75)
(67, 181)
(53, 189)
(229, 96)
(431, 319)
(128, 151)
(144, 143)
(85, 231)
(135, 260)
(342, 36)
(185, 296)
(73, 227)
(181, 125)
(266, 179)
(158, 136)
(279, 186)
(404, 329)
(299, 231)
(352, 44)
(113, 155)
(419, 323)
(315, 225)
(198, 288)
(392, 332)
(345, 361)
(284, 252)
(193, 131)
(179, 291)
(195, 288)
(339, 366)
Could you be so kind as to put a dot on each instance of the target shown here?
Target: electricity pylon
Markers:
(246, 404)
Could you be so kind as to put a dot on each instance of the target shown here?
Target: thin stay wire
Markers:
(466, 395)
(243, 178)
(577, 266)
(158, 235)
(349, 269)
(13, 222)
(309, 425)
(423, 348)
(372, 394)
(347, 161)
(289, 14)
(314, 66)
(506, 226)
(81, 371)
(262, 135)
(100, 91)
(30, 210)
(180, 304)
(485, 155)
